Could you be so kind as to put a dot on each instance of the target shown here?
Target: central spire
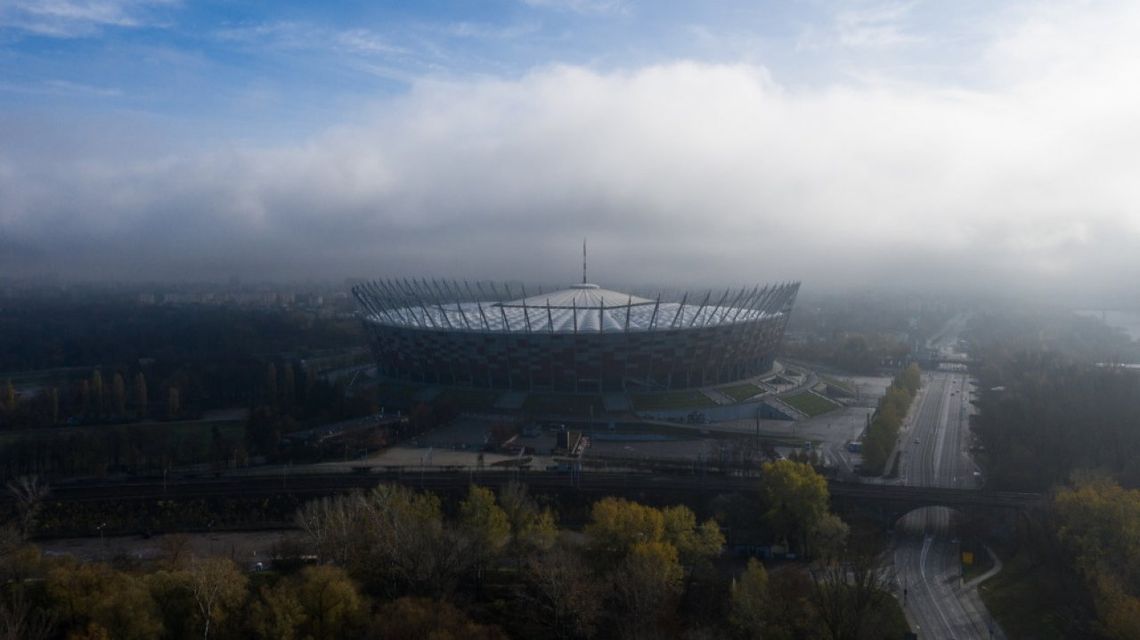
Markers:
(584, 281)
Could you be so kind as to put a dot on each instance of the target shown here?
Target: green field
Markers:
(810, 403)
(740, 392)
(839, 384)
(1015, 595)
(672, 400)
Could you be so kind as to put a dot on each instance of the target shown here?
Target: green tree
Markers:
(486, 524)
(797, 499)
(694, 543)
(332, 604)
(95, 594)
(751, 601)
(647, 584)
(617, 525)
(480, 516)
(172, 592)
(276, 614)
(531, 529)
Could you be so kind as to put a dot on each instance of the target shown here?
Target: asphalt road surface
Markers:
(926, 555)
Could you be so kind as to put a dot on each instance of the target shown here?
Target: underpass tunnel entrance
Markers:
(933, 520)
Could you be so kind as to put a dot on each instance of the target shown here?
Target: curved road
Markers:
(926, 552)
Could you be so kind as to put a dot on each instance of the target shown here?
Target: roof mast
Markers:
(584, 261)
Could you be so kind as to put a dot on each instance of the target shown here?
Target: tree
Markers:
(93, 594)
(646, 584)
(694, 543)
(140, 396)
(1096, 524)
(565, 598)
(9, 396)
(330, 600)
(486, 524)
(849, 594)
(97, 390)
(393, 539)
(751, 600)
(797, 498)
(617, 525)
(21, 619)
(85, 397)
(277, 614)
(119, 395)
(828, 536)
(177, 608)
(218, 588)
(531, 529)
(173, 403)
(411, 618)
(29, 493)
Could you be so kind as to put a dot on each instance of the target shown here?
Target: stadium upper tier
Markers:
(581, 308)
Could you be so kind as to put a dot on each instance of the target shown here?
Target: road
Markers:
(926, 555)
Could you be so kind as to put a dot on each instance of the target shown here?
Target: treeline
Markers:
(883, 432)
(853, 352)
(1078, 568)
(1056, 415)
(863, 332)
(114, 428)
(1044, 416)
(396, 563)
(193, 359)
(1051, 401)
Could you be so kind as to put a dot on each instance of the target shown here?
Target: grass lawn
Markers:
(810, 403)
(838, 383)
(692, 399)
(982, 564)
(740, 392)
(1020, 600)
(564, 404)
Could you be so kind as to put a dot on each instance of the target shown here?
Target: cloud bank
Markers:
(681, 172)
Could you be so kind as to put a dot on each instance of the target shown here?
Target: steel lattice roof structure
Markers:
(580, 308)
(581, 338)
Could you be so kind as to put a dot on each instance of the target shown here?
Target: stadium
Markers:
(581, 339)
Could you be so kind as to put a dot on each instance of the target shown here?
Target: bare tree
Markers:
(849, 591)
(29, 493)
(218, 588)
(23, 620)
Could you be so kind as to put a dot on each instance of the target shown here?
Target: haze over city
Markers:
(983, 146)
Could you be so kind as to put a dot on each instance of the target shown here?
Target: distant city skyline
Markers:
(965, 146)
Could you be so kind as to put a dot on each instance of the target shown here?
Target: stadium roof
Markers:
(581, 308)
(582, 296)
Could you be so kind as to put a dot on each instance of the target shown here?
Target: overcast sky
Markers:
(957, 144)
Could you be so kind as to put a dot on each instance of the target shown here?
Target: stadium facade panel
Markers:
(580, 339)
